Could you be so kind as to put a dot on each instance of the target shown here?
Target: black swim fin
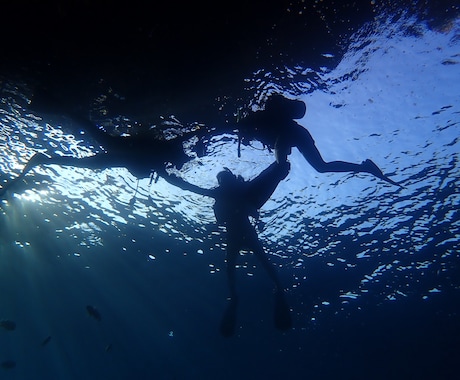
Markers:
(369, 166)
(385, 178)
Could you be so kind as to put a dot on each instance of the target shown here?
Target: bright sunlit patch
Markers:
(372, 105)
(32, 195)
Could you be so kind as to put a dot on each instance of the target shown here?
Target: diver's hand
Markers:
(284, 168)
(282, 151)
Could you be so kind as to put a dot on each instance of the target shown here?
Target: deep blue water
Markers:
(372, 270)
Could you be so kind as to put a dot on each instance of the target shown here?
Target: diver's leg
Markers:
(98, 161)
(282, 313)
(232, 255)
(35, 160)
(228, 322)
(259, 252)
(307, 147)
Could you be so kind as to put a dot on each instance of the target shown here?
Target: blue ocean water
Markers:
(372, 270)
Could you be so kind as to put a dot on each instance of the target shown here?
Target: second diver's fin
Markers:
(369, 166)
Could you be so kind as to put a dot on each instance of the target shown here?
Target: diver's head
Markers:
(226, 178)
(282, 106)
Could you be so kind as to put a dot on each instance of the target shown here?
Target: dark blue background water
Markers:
(372, 271)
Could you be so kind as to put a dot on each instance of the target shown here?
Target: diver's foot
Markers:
(282, 314)
(228, 323)
(369, 166)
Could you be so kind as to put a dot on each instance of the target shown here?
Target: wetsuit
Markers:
(235, 204)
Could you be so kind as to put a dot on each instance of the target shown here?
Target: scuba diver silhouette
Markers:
(144, 151)
(275, 128)
(236, 200)
(141, 154)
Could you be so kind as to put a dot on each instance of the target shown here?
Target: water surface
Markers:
(372, 270)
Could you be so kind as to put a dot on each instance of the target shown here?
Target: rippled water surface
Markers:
(369, 267)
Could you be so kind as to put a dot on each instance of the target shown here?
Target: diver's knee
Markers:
(321, 168)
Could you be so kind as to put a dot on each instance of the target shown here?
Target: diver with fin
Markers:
(143, 156)
(236, 200)
(145, 151)
(276, 128)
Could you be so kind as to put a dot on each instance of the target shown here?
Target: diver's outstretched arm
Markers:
(184, 185)
(228, 323)
(262, 187)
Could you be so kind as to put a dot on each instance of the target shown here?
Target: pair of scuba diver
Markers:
(235, 199)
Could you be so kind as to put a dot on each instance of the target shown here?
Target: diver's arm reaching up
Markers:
(262, 187)
(184, 185)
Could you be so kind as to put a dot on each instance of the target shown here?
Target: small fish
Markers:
(8, 325)
(46, 341)
(93, 312)
(8, 364)
(108, 347)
